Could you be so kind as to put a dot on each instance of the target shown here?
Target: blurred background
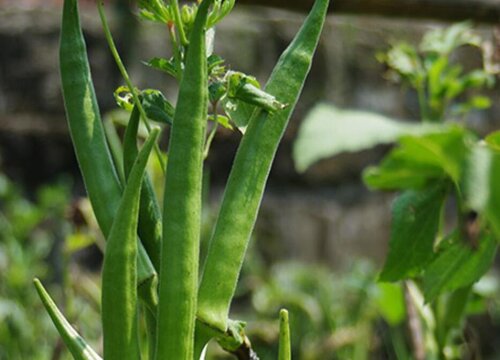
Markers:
(321, 237)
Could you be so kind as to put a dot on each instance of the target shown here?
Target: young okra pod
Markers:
(119, 275)
(249, 174)
(76, 345)
(149, 214)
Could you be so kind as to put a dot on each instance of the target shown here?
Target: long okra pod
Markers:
(119, 274)
(100, 177)
(76, 345)
(182, 203)
(149, 213)
(249, 174)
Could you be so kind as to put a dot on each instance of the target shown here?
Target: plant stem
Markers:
(126, 77)
(178, 22)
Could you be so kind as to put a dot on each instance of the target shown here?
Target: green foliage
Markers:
(332, 315)
(439, 82)
(33, 234)
(433, 166)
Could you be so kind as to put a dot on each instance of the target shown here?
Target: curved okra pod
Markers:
(99, 174)
(119, 274)
(285, 352)
(249, 174)
(150, 225)
(182, 203)
(76, 345)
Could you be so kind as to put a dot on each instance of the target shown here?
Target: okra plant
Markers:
(150, 273)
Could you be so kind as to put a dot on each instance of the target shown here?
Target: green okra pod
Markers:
(119, 275)
(99, 174)
(76, 345)
(249, 174)
(285, 351)
(182, 203)
(150, 226)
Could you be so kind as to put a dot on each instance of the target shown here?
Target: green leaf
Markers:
(493, 211)
(77, 241)
(164, 65)
(124, 98)
(493, 141)
(77, 346)
(458, 265)
(390, 303)
(444, 41)
(239, 112)
(481, 183)
(420, 159)
(157, 107)
(415, 222)
(327, 131)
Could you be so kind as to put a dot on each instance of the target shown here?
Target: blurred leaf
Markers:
(420, 159)
(444, 41)
(164, 65)
(481, 183)
(458, 265)
(404, 61)
(222, 120)
(327, 131)
(493, 140)
(77, 241)
(390, 303)
(415, 222)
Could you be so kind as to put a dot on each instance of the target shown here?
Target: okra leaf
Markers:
(419, 159)
(285, 352)
(76, 345)
(458, 265)
(157, 107)
(415, 222)
(119, 275)
(328, 131)
(167, 66)
(238, 111)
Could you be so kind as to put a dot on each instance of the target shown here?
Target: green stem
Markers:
(126, 77)
(212, 133)
(178, 22)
